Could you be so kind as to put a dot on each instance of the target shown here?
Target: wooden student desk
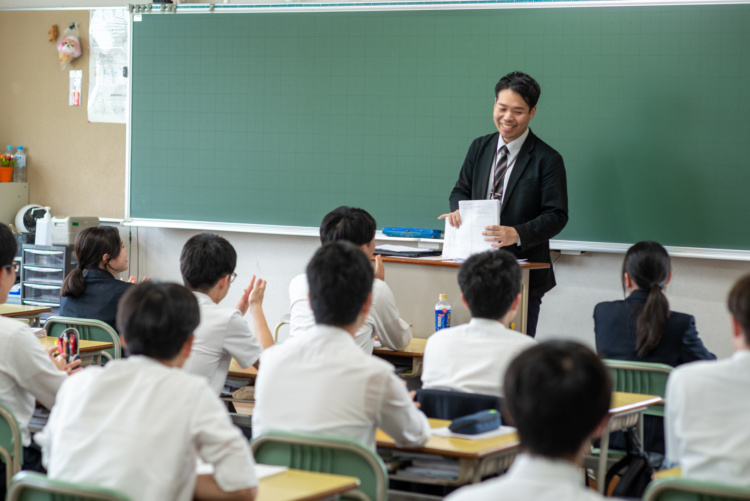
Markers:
(416, 283)
(626, 411)
(413, 353)
(478, 458)
(236, 371)
(88, 349)
(299, 485)
(32, 313)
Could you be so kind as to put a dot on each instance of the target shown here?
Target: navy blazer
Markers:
(535, 202)
(615, 329)
(99, 300)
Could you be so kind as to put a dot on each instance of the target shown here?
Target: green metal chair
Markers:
(30, 486)
(683, 489)
(326, 455)
(90, 330)
(640, 377)
(10, 443)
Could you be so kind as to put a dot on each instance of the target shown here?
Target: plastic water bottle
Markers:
(19, 173)
(442, 313)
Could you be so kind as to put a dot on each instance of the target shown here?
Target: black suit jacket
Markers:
(615, 328)
(99, 300)
(535, 202)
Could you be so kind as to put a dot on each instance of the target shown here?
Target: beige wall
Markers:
(75, 167)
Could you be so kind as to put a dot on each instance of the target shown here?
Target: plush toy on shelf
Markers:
(70, 46)
(52, 33)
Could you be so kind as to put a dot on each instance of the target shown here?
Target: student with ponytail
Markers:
(641, 328)
(91, 290)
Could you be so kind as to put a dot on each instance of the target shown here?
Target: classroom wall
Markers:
(75, 167)
(78, 168)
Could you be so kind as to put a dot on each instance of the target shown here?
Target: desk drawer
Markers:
(42, 292)
(43, 274)
(44, 257)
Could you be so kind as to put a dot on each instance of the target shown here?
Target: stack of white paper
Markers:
(466, 240)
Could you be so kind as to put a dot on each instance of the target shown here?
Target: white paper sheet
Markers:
(267, 470)
(401, 248)
(466, 240)
(446, 432)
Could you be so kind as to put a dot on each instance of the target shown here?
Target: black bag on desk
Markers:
(634, 470)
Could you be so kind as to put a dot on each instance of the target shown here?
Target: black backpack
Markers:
(634, 470)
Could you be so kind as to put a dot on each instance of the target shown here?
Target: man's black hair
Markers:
(157, 318)
(8, 245)
(557, 393)
(523, 85)
(205, 259)
(348, 223)
(490, 281)
(739, 305)
(340, 278)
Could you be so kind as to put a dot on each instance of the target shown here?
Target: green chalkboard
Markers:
(276, 118)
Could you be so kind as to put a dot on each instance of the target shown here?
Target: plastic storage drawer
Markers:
(41, 292)
(44, 257)
(43, 274)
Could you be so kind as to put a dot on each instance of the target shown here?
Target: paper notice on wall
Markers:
(108, 63)
(467, 239)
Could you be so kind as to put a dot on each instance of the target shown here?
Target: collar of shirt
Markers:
(485, 323)
(513, 147)
(98, 273)
(558, 471)
(203, 298)
(741, 355)
(332, 331)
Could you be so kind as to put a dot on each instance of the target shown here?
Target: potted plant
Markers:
(6, 168)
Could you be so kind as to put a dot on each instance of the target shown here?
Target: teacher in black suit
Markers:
(526, 175)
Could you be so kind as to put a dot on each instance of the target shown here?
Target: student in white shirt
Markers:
(207, 264)
(358, 227)
(473, 357)
(322, 382)
(558, 395)
(138, 425)
(708, 407)
(27, 372)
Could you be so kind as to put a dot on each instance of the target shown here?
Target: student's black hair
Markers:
(557, 393)
(340, 278)
(348, 223)
(156, 318)
(8, 245)
(205, 259)
(739, 304)
(521, 84)
(490, 281)
(90, 247)
(648, 265)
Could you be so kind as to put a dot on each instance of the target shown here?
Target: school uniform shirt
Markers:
(706, 423)
(26, 373)
(99, 299)
(222, 335)
(322, 383)
(384, 318)
(138, 426)
(471, 357)
(532, 478)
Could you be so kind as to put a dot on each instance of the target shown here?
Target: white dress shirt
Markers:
(471, 357)
(706, 426)
(514, 147)
(138, 426)
(383, 319)
(532, 478)
(222, 335)
(322, 383)
(26, 373)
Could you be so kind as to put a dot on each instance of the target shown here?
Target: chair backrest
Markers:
(284, 320)
(326, 455)
(442, 404)
(683, 489)
(30, 486)
(89, 329)
(10, 443)
(640, 377)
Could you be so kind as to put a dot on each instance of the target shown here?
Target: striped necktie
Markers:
(500, 169)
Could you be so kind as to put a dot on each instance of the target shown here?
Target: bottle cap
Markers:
(9, 147)
(443, 296)
(20, 148)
